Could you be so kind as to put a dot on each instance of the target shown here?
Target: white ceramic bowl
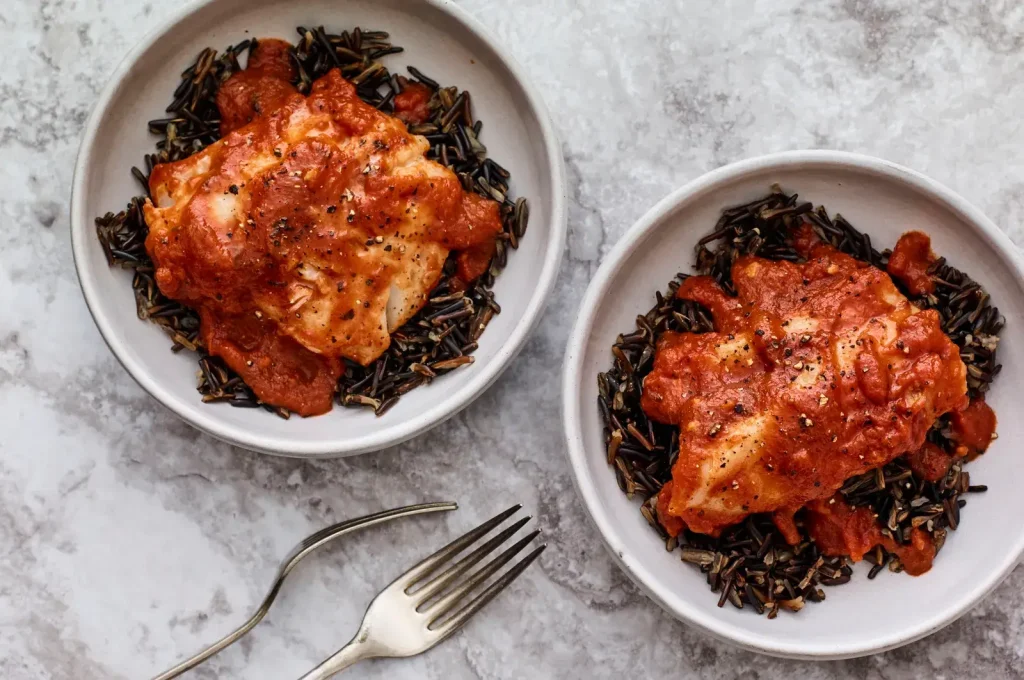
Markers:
(441, 40)
(863, 616)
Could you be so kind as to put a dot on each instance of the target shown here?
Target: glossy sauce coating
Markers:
(910, 260)
(839, 529)
(308, 234)
(263, 86)
(816, 372)
(412, 104)
(930, 462)
(973, 429)
(672, 524)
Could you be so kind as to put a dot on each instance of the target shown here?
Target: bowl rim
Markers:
(572, 378)
(324, 447)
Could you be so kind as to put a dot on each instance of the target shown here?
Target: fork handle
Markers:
(355, 651)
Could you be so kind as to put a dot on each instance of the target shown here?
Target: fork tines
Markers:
(439, 595)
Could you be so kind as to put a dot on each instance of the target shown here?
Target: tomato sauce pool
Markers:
(839, 529)
(412, 104)
(264, 84)
(910, 261)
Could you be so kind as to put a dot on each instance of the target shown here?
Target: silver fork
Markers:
(304, 548)
(418, 610)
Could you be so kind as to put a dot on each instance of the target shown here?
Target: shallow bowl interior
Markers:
(884, 201)
(443, 42)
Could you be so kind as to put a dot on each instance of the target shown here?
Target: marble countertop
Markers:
(128, 539)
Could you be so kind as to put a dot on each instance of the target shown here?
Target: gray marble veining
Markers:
(128, 539)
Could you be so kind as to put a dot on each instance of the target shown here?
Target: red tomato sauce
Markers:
(672, 524)
(287, 374)
(974, 428)
(839, 529)
(412, 104)
(474, 261)
(263, 86)
(930, 462)
(910, 261)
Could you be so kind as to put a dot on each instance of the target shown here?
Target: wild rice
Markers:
(444, 335)
(750, 565)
